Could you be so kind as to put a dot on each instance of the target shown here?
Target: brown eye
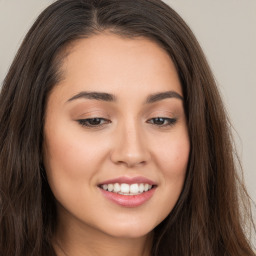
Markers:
(93, 122)
(162, 121)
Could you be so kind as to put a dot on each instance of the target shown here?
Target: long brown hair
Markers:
(207, 219)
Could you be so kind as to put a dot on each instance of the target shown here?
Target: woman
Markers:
(114, 139)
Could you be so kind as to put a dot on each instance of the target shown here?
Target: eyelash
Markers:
(86, 122)
(165, 122)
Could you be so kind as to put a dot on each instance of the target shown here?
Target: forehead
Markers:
(110, 63)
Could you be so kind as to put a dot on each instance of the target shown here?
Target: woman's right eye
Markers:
(93, 122)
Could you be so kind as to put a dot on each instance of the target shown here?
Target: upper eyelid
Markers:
(92, 114)
(102, 114)
(108, 118)
(162, 113)
(111, 113)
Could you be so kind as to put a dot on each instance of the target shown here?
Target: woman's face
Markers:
(116, 143)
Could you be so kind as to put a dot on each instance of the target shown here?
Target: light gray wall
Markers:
(226, 30)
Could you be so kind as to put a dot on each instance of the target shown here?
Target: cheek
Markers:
(70, 151)
(71, 161)
(70, 158)
(172, 159)
(172, 156)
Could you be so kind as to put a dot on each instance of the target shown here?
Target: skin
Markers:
(130, 143)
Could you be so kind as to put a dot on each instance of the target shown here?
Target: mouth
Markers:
(128, 192)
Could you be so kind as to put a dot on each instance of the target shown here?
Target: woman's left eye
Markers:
(93, 122)
(162, 121)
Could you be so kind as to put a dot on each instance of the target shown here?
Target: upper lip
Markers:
(129, 180)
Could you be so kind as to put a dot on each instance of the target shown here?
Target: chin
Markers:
(127, 230)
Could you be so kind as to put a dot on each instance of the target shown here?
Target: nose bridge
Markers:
(130, 147)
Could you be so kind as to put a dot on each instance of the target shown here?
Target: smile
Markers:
(127, 189)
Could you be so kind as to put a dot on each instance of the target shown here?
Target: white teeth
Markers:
(126, 189)
(105, 186)
(110, 187)
(141, 188)
(134, 189)
(116, 187)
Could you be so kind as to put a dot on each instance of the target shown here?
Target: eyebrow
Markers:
(103, 96)
(162, 96)
(94, 96)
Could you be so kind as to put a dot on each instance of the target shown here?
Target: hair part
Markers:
(206, 219)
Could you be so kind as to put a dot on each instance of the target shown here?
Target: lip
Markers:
(129, 200)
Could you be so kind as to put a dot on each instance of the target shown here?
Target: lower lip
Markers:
(129, 201)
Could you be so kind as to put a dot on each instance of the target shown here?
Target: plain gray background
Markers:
(226, 30)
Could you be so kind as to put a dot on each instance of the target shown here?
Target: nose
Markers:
(131, 147)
